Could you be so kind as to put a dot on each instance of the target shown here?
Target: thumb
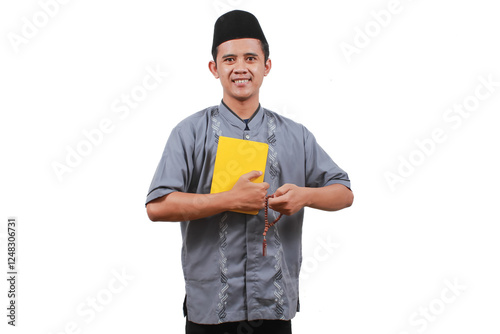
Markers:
(281, 191)
(252, 175)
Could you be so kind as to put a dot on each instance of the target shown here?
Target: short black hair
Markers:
(264, 45)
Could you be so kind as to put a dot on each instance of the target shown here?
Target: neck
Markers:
(244, 109)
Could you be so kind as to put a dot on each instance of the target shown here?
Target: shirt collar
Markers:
(254, 122)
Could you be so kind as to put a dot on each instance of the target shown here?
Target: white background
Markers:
(395, 249)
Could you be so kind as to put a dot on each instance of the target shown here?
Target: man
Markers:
(230, 286)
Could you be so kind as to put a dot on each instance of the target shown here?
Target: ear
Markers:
(212, 66)
(268, 66)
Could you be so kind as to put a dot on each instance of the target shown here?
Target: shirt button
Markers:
(247, 136)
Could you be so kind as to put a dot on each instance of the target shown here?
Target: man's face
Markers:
(241, 68)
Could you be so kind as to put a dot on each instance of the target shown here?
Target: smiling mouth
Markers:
(241, 81)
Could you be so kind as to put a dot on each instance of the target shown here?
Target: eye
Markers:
(229, 59)
(251, 58)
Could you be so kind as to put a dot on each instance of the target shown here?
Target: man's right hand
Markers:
(178, 206)
(249, 196)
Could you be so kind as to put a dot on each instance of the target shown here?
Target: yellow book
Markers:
(234, 158)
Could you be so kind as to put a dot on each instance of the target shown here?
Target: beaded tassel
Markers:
(267, 226)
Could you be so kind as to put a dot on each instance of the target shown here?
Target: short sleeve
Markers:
(176, 164)
(320, 169)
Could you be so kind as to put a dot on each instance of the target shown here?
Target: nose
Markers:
(240, 67)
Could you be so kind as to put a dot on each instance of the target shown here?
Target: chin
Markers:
(241, 96)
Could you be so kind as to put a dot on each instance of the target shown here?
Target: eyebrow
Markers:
(246, 54)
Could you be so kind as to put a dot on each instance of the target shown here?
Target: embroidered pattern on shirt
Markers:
(271, 140)
(215, 125)
(221, 306)
(278, 292)
(274, 170)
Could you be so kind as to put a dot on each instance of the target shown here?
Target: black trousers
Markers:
(242, 327)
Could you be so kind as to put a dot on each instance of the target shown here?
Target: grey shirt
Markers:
(226, 276)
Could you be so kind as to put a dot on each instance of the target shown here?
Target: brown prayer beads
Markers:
(264, 243)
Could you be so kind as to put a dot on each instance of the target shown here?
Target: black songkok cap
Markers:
(234, 25)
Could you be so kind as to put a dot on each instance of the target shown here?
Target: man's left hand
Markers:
(288, 199)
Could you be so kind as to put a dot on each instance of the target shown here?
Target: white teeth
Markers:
(241, 81)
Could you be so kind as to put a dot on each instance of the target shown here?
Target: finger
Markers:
(282, 190)
(277, 200)
(278, 193)
(279, 207)
(252, 175)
